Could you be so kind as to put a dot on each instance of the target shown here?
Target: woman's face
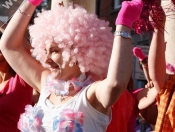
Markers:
(54, 61)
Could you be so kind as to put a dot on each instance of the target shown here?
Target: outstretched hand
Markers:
(157, 18)
(149, 84)
(129, 12)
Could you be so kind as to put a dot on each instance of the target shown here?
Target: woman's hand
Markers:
(149, 84)
(157, 19)
(129, 12)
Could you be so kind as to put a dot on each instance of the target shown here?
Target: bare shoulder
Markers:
(91, 90)
(93, 100)
(44, 76)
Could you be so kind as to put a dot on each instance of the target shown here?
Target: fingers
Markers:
(149, 84)
(157, 17)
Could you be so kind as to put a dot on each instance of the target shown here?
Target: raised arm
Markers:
(120, 67)
(24, 65)
(143, 61)
(25, 44)
(156, 58)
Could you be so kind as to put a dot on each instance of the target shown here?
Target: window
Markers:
(117, 4)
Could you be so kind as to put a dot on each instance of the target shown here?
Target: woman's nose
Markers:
(47, 59)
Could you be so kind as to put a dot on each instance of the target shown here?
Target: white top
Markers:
(94, 121)
(51, 118)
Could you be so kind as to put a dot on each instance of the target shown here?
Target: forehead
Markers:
(51, 45)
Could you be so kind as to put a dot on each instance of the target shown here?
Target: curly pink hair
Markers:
(84, 38)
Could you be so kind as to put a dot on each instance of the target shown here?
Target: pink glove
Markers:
(35, 2)
(139, 53)
(129, 12)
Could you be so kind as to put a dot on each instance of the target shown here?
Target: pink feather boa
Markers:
(143, 24)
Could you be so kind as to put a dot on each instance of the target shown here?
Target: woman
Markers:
(15, 94)
(130, 104)
(143, 62)
(136, 102)
(75, 46)
(163, 82)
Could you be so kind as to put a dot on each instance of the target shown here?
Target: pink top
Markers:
(135, 112)
(124, 113)
(13, 98)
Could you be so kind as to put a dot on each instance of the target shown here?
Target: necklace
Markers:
(61, 87)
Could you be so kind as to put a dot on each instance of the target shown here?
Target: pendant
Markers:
(62, 98)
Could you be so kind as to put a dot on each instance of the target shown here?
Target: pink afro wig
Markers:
(84, 38)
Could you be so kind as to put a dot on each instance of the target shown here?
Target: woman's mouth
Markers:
(52, 69)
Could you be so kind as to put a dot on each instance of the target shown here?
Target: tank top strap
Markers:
(45, 92)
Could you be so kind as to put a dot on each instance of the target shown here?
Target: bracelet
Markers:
(23, 13)
(123, 34)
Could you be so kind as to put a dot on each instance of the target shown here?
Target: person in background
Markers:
(15, 93)
(143, 62)
(131, 104)
(164, 83)
(135, 102)
(76, 47)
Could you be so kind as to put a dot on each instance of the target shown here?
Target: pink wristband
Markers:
(35, 2)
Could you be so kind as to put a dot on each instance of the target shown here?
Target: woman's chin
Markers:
(55, 75)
